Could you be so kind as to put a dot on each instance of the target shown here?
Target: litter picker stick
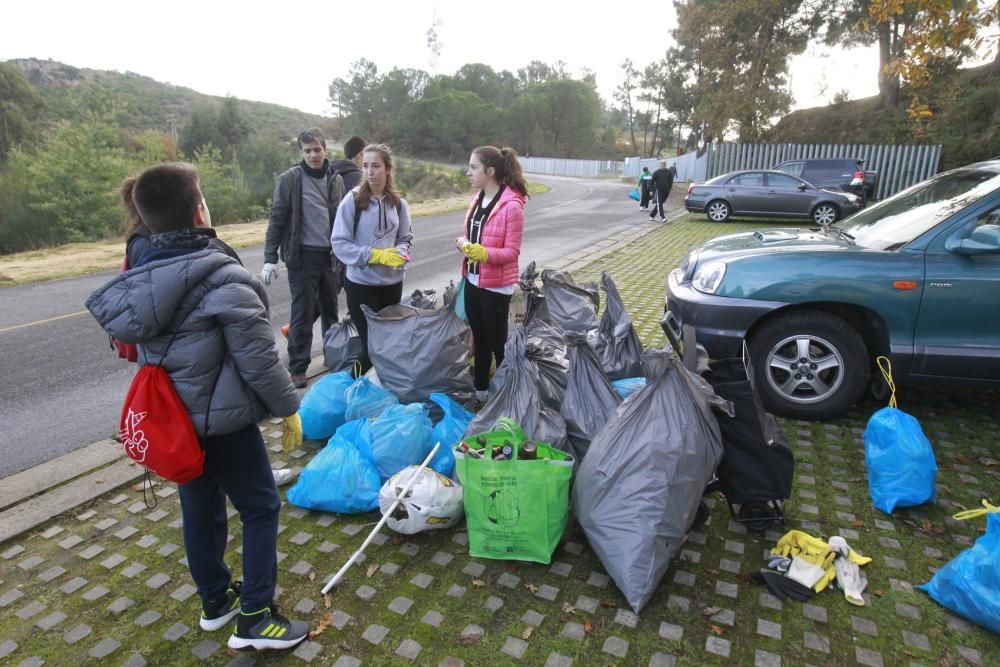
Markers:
(385, 517)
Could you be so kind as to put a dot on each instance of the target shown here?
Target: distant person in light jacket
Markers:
(491, 245)
(372, 237)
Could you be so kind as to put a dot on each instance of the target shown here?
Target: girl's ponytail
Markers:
(513, 177)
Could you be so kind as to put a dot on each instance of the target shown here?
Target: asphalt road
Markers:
(62, 387)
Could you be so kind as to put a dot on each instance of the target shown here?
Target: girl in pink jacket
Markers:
(494, 225)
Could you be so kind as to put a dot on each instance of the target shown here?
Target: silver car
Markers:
(770, 194)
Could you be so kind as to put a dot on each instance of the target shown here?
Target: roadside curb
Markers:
(32, 497)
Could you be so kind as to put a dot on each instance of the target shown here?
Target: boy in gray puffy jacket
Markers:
(196, 312)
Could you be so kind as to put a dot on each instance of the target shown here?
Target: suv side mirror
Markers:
(984, 239)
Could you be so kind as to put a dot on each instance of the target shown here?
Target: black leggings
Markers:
(375, 297)
(487, 312)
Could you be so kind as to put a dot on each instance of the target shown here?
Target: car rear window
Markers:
(891, 224)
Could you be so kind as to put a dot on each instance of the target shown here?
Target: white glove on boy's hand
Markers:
(269, 272)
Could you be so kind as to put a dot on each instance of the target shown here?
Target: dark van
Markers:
(847, 175)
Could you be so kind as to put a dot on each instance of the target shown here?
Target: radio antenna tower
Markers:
(433, 43)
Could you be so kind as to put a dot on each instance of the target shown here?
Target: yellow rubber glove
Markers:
(390, 257)
(812, 550)
(292, 437)
(475, 252)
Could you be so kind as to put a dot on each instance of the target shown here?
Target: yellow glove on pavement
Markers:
(475, 252)
(390, 257)
(292, 437)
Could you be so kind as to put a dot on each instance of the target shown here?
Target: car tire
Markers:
(825, 213)
(718, 210)
(837, 366)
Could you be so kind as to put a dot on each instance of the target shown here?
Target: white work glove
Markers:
(850, 578)
(268, 273)
(804, 572)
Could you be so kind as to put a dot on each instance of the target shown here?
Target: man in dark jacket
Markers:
(663, 180)
(305, 204)
(196, 312)
(349, 168)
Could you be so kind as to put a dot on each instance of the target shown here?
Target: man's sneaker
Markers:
(217, 614)
(267, 629)
(298, 380)
(663, 219)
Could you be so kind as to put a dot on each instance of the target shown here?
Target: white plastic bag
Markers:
(433, 502)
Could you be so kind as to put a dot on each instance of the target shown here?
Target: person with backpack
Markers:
(491, 245)
(372, 237)
(202, 320)
(298, 228)
(662, 181)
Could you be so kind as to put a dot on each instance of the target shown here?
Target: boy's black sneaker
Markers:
(216, 614)
(267, 629)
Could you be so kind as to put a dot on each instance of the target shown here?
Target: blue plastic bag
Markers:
(969, 584)
(400, 437)
(448, 432)
(459, 302)
(342, 478)
(367, 399)
(628, 386)
(324, 406)
(900, 461)
(634, 195)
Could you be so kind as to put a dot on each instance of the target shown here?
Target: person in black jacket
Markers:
(305, 204)
(663, 180)
(349, 168)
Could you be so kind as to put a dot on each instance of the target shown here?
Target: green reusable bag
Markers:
(515, 509)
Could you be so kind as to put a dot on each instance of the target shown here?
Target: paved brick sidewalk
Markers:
(106, 584)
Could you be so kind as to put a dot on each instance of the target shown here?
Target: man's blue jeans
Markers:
(237, 466)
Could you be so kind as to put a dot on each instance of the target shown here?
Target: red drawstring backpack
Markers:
(156, 429)
(126, 351)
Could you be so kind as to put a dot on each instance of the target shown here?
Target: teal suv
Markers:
(915, 277)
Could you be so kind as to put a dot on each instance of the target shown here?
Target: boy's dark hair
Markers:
(167, 195)
(353, 146)
(309, 136)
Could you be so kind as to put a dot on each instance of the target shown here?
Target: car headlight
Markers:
(708, 277)
(688, 263)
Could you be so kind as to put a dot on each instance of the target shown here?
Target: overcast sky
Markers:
(288, 52)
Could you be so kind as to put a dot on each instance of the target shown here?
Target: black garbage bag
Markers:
(757, 463)
(424, 299)
(518, 397)
(419, 352)
(544, 345)
(637, 491)
(572, 306)
(342, 346)
(620, 348)
(590, 400)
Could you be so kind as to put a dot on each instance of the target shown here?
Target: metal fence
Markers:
(898, 166)
(567, 167)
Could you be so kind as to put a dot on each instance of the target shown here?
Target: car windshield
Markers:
(891, 224)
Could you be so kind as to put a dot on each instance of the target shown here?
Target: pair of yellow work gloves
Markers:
(391, 257)
(815, 552)
(475, 252)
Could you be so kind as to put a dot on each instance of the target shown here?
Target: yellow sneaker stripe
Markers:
(269, 630)
(279, 633)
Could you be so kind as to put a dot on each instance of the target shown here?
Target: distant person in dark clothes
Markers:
(306, 198)
(349, 168)
(645, 178)
(662, 181)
